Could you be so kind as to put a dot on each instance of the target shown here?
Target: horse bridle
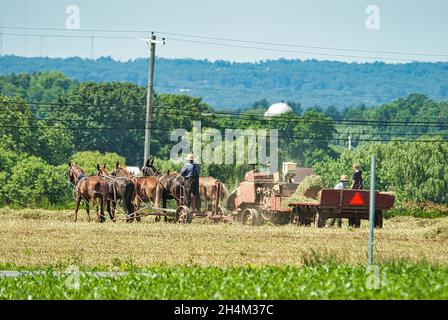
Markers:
(77, 179)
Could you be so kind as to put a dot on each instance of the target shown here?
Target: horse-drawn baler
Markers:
(262, 197)
(259, 197)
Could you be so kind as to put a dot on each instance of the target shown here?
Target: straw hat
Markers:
(190, 157)
(356, 166)
(344, 178)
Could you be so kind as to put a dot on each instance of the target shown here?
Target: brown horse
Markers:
(145, 186)
(168, 186)
(119, 188)
(88, 188)
(208, 188)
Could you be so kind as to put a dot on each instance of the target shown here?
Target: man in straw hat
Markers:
(342, 184)
(191, 172)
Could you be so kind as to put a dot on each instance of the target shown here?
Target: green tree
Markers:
(88, 160)
(38, 88)
(415, 171)
(23, 132)
(35, 183)
(8, 159)
(18, 126)
(305, 139)
(108, 117)
(55, 143)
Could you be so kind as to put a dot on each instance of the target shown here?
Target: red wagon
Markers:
(341, 204)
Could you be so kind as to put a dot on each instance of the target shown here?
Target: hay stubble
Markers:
(39, 238)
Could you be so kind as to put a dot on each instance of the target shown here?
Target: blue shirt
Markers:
(190, 170)
(340, 185)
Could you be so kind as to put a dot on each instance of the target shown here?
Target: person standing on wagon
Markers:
(191, 172)
(357, 185)
(357, 177)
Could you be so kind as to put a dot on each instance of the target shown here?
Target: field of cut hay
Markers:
(32, 238)
(218, 261)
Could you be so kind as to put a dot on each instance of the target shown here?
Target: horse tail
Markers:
(128, 196)
(159, 190)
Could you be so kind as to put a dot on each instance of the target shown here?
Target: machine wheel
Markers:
(183, 215)
(320, 222)
(298, 217)
(250, 217)
(222, 211)
(378, 219)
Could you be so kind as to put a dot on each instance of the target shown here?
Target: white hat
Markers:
(190, 157)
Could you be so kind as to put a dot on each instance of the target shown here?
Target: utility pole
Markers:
(349, 142)
(371, 209)
(150, 94)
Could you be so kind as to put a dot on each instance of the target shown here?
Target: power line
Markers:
(353, 134)
(278, 90)
(246, 116)
(333, 131)
(279, 136)
(67, 36)
(234, 40)
(291, 51)
(228, 45)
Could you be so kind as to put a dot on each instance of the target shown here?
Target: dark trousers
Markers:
(191, 188)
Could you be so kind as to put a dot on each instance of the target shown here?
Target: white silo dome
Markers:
(277, 109)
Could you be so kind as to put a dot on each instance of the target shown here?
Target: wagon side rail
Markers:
(349, 199)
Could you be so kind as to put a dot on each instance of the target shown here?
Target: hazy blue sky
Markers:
(405, 26)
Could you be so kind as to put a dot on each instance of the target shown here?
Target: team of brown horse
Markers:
(105, 188)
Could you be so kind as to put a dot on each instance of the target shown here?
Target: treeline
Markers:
(110, 117)
(47, 120)
(403, 118)
(233, 85)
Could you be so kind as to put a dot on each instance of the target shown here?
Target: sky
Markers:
(403, 26)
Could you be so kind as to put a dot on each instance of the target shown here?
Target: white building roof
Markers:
(277, 109)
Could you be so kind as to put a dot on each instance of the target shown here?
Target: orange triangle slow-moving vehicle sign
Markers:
(357, 200)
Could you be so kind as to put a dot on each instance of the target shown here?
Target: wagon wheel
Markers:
(183, 215)
(221, 212)
(295, 216)
(320, 222)
(266, 215)
(251, 217)
(378, 223)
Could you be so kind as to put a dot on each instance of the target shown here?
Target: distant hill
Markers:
(232, 85)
